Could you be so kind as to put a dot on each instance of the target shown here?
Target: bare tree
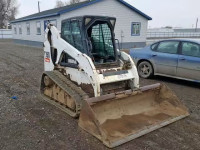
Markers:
(8, 11)
(60, 3)
(74, 1)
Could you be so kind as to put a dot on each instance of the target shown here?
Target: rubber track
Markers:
(70, 88)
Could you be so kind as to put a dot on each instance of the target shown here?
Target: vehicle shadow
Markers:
(176, 81)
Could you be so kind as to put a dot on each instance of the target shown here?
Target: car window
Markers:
(168, 47)
(190, 49)
(153, 47)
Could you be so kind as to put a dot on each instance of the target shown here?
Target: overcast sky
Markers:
(176, 13)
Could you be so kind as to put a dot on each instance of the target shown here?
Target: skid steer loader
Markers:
(87, 77)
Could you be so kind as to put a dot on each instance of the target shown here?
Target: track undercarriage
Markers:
(61, 92)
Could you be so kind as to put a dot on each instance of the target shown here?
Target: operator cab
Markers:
(92, 35)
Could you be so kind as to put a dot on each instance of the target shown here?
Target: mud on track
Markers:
(31, 123)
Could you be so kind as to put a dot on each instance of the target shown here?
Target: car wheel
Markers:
(145, 69)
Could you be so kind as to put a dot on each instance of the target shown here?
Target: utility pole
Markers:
(196, 25)
(38, 6)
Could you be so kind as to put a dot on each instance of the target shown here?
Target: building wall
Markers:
(33, 30)
(113, 8)
(125, 17)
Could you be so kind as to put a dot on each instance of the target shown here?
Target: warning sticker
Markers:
(47, 60)
(47, 57)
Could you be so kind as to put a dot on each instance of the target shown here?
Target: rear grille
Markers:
(114, 87)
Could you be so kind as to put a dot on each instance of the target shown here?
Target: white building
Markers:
(130, 29)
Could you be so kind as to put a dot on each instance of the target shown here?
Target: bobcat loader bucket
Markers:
(118, 118)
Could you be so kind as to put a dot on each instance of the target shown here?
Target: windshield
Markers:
(102, 42)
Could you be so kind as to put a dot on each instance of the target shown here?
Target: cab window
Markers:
(71, 33)
(76, 35)
(102, 40)
(66, 32)
(100, 35)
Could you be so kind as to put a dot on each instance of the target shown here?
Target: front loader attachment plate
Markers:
(118, 118)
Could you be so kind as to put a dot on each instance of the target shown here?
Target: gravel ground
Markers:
(30, 123)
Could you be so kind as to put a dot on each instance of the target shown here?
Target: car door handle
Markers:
(154, 55)
(182, 58)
